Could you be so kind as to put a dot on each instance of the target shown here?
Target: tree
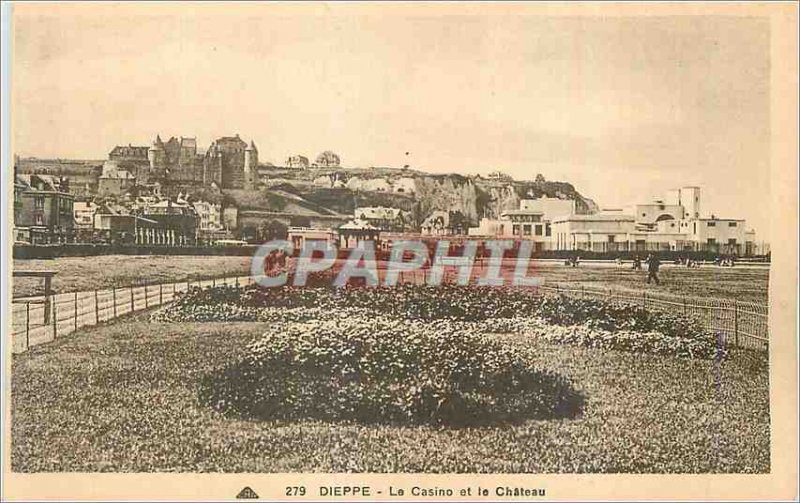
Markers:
(328, 159)
(299, 221)
(458, 222)
(274, 229)
(540, 178)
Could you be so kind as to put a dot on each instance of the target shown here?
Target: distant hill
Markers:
(338, 191)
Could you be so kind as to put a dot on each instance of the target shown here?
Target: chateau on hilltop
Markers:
(229, 162)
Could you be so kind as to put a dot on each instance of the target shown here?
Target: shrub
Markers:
(358, 368)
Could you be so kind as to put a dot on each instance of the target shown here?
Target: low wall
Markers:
(89, 250)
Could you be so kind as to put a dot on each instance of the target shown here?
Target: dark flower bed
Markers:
(387, 371)
(432, 303)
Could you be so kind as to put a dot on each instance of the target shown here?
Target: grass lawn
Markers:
(89, 273)
(105, 271)
(123, 397)
(741, 283)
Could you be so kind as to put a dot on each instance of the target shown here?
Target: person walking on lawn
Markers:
(652, 268)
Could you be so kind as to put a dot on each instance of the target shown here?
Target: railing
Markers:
(740, 324)
(32, 324)
(737, 323)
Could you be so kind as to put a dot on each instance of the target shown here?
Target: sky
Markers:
(623, 108)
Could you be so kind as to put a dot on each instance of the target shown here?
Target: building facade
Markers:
(177, 219)
(385, 219)
(43, 209)
(671, 224)
(297, 162)
(114, 181)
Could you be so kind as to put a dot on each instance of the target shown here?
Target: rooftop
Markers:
(595, 218)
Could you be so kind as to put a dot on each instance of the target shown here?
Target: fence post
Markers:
(160, 294)
(48, 299)
(213, 282)
(644, 300)
(583, 291)
(55, 323)
(96, 309)
(237, 282)
(27, 325)
(75, 321)
(684, 305)
(173, 290)
(132, 306)
(145, 296)
(736, 323)
(114, 300)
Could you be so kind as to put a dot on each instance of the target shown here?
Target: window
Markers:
(711, 241)
(38, 220)
(712, 224)
(644, 214)
(731, 224)
(515, 230)
(526, 230)
(732, 241)
(538, 230)
(38, 202)
(694, 225)
(611, 238)
(547, 230)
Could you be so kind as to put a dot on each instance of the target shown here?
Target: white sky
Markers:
(623, 108)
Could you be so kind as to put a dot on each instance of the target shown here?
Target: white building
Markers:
(84, 214)
(209, 215)
(532, 221)
(672, 224)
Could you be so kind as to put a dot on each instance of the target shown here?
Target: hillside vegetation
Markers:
(327, 191)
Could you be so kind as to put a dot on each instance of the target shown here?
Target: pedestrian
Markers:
(652, 268)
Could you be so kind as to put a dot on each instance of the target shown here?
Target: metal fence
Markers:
(737, 323)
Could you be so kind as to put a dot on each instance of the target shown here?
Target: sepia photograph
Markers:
(443, 242)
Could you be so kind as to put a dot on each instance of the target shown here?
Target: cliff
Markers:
(340, 191)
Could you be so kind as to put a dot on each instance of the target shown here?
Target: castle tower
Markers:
(156, 154)
(250, 165)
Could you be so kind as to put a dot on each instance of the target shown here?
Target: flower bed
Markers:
(586, 322)
(356, 367)
(415, 354)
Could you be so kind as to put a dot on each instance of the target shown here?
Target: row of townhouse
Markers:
(46, 213)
